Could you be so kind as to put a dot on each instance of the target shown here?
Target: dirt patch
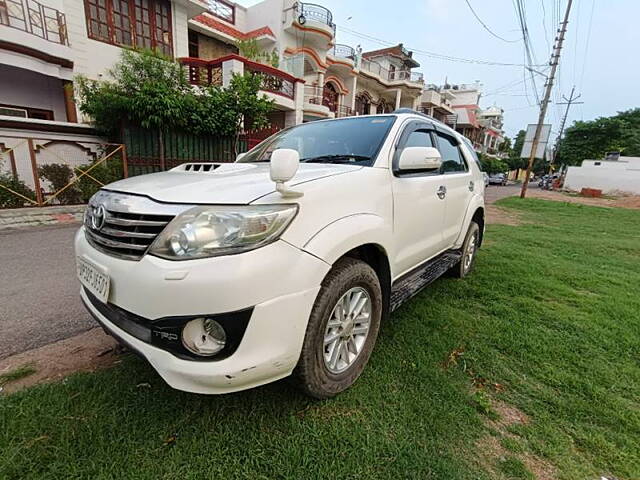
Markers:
(493, 452)
(629, 201)
(501, 216)
(82, 353)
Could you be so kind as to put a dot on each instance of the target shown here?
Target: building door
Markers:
(363, 103)
(330, 97)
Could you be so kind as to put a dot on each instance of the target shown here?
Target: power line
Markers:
(435, 55)
(586, 47)
(486, 27)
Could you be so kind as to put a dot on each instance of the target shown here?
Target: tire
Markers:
(318, 373)
(469, 250)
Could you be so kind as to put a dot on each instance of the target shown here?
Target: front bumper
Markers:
(279, 281)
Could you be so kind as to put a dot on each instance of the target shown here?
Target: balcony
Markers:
(34, 18)
(316, 22)
(317, 13)
(218, 72)
(391, 75)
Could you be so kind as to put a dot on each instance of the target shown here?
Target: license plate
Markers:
(93, 278)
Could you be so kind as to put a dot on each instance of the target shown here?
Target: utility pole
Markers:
(555, 60)
(568, 102)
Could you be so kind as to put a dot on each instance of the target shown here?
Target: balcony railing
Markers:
(343, 51)
(202, 72)
(313, 94)
(317, 13)
(391, 75)
(344, 111)
(272, 80)
(34, 18)
(209, 72)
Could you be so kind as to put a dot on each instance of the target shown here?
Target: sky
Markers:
(600, 54)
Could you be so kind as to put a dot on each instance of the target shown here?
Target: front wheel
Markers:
(342, 329)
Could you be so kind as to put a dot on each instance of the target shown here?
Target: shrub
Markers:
(107, 172)
(59, 175)
(8, 199)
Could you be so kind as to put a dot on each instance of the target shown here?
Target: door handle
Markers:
(471, 186)
(442, 192)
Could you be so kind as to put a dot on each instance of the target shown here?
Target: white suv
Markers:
(228, 276)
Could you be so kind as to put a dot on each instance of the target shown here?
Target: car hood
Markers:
(228, 183)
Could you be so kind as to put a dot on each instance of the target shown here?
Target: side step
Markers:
(412, 282)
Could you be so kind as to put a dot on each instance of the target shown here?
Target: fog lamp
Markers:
(204, 337)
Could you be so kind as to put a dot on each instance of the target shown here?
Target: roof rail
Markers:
(415, 112)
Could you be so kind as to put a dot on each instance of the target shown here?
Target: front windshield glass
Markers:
(354, 140)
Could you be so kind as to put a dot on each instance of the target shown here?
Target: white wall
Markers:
(610, 177)
(29, 89)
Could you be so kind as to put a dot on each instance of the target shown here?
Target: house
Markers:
(614, 174)
(307, 74)
(44, 44)
(491, 120)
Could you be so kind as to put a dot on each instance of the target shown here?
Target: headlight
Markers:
(221, 230)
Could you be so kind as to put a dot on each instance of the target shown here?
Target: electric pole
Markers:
(568, 102)
(555, 60)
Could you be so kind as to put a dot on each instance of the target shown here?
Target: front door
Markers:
(418, 208)
(458, 180)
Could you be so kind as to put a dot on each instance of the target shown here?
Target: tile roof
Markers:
(233, 32)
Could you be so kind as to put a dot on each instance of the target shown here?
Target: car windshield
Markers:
(354, 140)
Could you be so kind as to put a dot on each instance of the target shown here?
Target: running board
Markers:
(411, 283)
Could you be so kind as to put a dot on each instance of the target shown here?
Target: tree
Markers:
(491, 164)
(152, 91)
(593, 139)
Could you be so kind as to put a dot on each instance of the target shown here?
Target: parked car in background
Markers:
(229, 276)
(498, 179)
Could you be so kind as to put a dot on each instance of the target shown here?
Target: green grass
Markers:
(16, 374)
(551, 314)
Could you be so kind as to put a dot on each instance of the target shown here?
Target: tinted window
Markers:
(452, 160)
(419, 138)
(349, 140)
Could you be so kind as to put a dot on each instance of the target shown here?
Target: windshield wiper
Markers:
(337, 158)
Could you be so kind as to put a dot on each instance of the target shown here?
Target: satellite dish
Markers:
(302, 19)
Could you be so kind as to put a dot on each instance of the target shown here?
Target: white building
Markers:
(491, 120)
(610, 176)
(315, 77)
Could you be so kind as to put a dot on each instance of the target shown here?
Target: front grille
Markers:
(126, 235)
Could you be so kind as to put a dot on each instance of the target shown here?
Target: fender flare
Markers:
(349, 232)
(476, 202)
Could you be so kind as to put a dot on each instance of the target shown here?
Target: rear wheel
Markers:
(342, 329)
(469, 250)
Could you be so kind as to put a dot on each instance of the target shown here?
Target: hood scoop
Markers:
(210, 167)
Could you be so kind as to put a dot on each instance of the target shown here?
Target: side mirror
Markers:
(240, 155)
(284, 165)
(420, 158)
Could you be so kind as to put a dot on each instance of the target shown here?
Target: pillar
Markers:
(398, 98)
(229, 68)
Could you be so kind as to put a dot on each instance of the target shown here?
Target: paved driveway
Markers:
(493, 193)
(39, 300)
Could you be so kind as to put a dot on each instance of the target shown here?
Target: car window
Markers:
(419, 138)
(349, 140)
(452, 160)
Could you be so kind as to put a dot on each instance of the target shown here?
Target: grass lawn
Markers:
(546, 329)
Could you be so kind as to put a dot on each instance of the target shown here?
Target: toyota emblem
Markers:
(98, 216)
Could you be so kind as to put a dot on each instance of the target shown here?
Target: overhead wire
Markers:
(484, 25)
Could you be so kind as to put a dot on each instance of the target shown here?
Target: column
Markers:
(69, 101)
(229, 68)
(398, 97)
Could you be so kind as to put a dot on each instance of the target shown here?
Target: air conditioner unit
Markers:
(13, 112)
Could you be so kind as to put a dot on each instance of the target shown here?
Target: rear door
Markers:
(418, 210)
(458, 181)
